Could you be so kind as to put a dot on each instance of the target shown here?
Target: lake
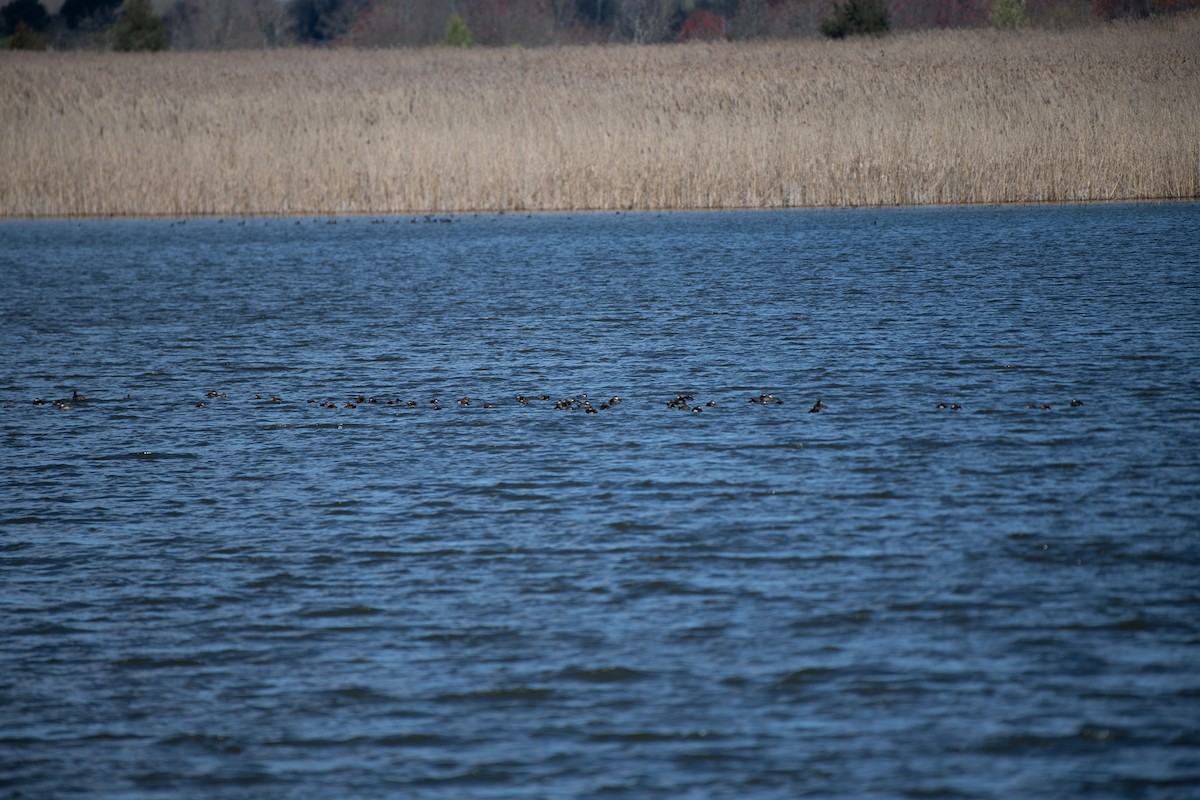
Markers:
(350, 510)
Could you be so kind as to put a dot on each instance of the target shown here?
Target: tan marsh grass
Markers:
(1105, 113)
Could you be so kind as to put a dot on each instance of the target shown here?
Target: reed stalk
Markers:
(1108, 112)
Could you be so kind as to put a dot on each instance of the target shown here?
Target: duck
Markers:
(766, 400)
(1076, 403)
(76, 397)
(817, 407)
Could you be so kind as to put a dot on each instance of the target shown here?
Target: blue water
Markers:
(274, 595)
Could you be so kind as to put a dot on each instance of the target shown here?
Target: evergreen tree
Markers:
(855, 17)
(323, 21)
(457, 32)
(138, 28)
(26, 38)
(31, 13)
(1008, 15)
(98, 14)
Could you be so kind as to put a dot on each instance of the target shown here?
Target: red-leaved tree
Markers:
(701, 26)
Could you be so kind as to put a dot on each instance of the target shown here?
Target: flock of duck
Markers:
(62, 405)
(579, 402)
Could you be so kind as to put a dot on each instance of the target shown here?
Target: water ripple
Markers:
(246, 567)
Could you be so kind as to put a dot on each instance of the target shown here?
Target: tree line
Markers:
(243, 24)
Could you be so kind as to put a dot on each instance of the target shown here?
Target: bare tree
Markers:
(227, 24)
(645, 21)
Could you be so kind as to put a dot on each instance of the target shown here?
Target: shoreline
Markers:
(425, 216)
(955, 117)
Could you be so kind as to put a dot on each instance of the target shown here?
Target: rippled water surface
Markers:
(270, 594)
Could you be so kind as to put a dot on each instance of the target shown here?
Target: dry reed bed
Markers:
(1106, 113)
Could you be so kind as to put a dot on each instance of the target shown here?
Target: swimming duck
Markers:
(77, 397)
(1076, 403)
(817, 407)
